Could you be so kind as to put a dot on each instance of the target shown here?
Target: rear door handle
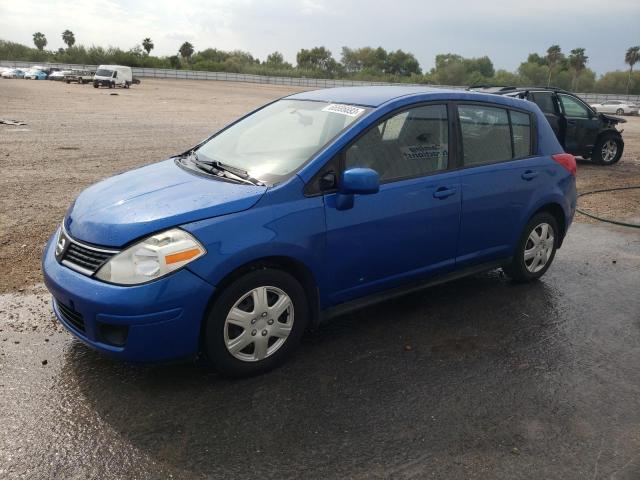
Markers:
(444, 192)
(529, 175)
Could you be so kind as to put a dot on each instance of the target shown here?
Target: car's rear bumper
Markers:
(156, 321)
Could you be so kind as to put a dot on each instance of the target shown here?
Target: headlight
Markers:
(152, 258)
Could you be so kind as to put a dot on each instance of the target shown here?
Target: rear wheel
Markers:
(536, 249)
(608, 149)
(256, 323)
(95, 85)
(620, 111)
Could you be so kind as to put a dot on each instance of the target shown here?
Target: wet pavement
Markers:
(475, 379)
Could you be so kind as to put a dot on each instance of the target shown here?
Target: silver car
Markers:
(619, 107)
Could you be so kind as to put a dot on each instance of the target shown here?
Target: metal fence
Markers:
(289, 81)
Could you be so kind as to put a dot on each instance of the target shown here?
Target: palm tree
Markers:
(578, 61)
(147, 44)
(631, 58)
(39, 40)
(68, 38)
(186, 50)
(554, 55)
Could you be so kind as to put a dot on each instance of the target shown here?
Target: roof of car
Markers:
(370, 96)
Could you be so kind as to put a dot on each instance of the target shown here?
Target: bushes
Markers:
(362, 64)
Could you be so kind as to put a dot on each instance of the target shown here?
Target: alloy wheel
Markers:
(539, 247)
(258, 324)
(609, 151)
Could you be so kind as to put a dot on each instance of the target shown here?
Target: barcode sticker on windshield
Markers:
(343, 109)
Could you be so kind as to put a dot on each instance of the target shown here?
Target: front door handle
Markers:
(529, 175)
(444, 192)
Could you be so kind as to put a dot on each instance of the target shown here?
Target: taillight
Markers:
(567, 160)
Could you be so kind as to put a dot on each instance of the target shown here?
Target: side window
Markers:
(572, 107)
(410, 144)
(521, 128)
(544, 100)
(486, 136)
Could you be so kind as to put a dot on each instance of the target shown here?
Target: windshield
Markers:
(103, 72)
(277, 140)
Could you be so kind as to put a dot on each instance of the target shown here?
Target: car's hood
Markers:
(612, 119)
(120, 209)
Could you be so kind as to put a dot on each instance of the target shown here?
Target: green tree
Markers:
(186, 50)
(631, 58)
(276, 61)
(39, 40)
(554, 56)
(174, 61)
(148, 45)
(69, 38)
(578, 62)
(373, 60)
(317, 58)
(402, 63)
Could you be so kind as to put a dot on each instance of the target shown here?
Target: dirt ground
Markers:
(76, 135)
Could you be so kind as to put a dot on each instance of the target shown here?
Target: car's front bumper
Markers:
(160, 320)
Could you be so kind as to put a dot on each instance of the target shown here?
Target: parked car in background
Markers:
(113, 76)
(50, 70)
(580, 129)
(79, 76)
(13, 73)
(311, 206)
(32, 74)
(619, 107)
(59, 75)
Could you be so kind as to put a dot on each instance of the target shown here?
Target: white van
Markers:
(113, 75)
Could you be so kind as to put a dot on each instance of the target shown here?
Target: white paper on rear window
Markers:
(348, 110)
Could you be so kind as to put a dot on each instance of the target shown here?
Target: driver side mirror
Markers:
(363, 181)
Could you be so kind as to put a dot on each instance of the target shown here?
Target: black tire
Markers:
(518, 269)
(620, 112)
(214, 327)
(597, 156)
(95, 85)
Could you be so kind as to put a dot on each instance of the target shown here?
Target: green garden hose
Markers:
(608, 220)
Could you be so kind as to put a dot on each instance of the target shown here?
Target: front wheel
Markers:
(608, 149)
(536, 249)
(620, 112)
(256, 323)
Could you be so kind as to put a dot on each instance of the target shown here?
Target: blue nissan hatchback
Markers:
(309, 207)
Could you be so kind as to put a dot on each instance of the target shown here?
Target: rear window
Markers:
(493, 134)
(544, 100)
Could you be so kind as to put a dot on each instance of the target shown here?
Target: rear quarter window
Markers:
(521, 127)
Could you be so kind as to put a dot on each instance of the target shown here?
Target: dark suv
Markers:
(580, 129)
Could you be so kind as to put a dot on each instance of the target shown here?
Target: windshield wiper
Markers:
(218, 168)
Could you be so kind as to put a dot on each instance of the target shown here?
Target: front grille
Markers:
(86, 257)
(71, 316)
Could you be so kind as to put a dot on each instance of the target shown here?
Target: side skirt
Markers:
(372, 299)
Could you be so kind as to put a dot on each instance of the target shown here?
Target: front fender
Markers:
(294, 229)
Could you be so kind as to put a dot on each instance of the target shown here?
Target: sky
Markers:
(505, 30)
